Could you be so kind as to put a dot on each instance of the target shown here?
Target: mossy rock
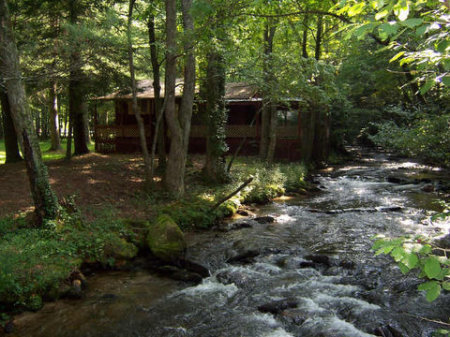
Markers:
(166, 240)
(120, 249)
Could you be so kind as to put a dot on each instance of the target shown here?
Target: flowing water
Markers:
(341, 290)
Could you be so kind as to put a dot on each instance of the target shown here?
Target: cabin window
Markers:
(241, 115)
(287, 118)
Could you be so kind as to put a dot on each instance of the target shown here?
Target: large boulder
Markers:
(166, 240)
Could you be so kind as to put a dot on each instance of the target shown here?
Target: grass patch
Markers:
(46, 155)
(35, 262)
(195, 210)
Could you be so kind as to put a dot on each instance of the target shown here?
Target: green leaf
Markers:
(442, 46)
(388, 28)
(361, 32)
(432, 288)
(432, 267)
(377, 4)
(421, 30)
(446, 285)
(381, 15)
(427, 86)
(404, 268)
(401, 10)
(398, 254)
(356, 9)
(426, 249)
(411, 260)
(397, 56)
(411, 23)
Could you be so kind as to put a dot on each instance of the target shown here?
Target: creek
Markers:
(311, 272)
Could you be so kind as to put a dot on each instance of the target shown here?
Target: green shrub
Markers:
(417, 134)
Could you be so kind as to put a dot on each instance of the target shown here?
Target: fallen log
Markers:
(221, 201)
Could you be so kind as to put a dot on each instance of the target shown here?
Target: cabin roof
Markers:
(236, 91)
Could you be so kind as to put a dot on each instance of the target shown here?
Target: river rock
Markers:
(244, 257)
(166, 240)
(319, 259)
(276, 307)
(238, 278)
(179, 274)
(387, 331)
(264, 219)
(428, 188)
(194, 267)
(243, 212)
(400, 179)
(234, 226)
(294, 316)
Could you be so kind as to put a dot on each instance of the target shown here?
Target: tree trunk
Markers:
(11, 144)
(321, 143)
(213, 93)
(77, 107)
(179, 124)
(266, 116)
(272, 133)
(307, 134)
(45, 201)
(318, 50)
(135, 107)
(159, 142)
(305, 38)
(54, 119)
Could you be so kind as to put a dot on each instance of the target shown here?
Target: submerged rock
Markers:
(387, 331)
(318, 259)
(234, 226)
(238, 278)
(179, 274)
(264, 219)
(193, 267)
(277, 307)
(166, 240)
(245, 257)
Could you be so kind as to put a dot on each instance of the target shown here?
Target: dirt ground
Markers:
(97, 182)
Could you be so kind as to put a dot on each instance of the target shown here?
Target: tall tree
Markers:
(268, 117)
(77, 106)
(55, 140)
(136, 109)
(11, 144)
(213, 93)
(45, 201)
(159, 142)
(179, 123)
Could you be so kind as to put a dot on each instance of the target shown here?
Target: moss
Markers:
(165, 239)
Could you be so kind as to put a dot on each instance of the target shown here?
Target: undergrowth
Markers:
(36, 262)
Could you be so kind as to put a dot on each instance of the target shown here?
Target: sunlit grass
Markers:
(46, 155)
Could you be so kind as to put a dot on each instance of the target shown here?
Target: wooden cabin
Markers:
(244, 122)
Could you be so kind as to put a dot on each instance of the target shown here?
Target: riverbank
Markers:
(308, 270)
(104, 220)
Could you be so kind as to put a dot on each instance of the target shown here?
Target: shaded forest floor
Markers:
(95, 181)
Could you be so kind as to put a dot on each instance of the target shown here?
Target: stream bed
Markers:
(310, 272)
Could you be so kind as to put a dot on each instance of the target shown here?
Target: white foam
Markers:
(278, 333)
(334, 325)
(358, 305)
(265, 318)
(210, 286)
